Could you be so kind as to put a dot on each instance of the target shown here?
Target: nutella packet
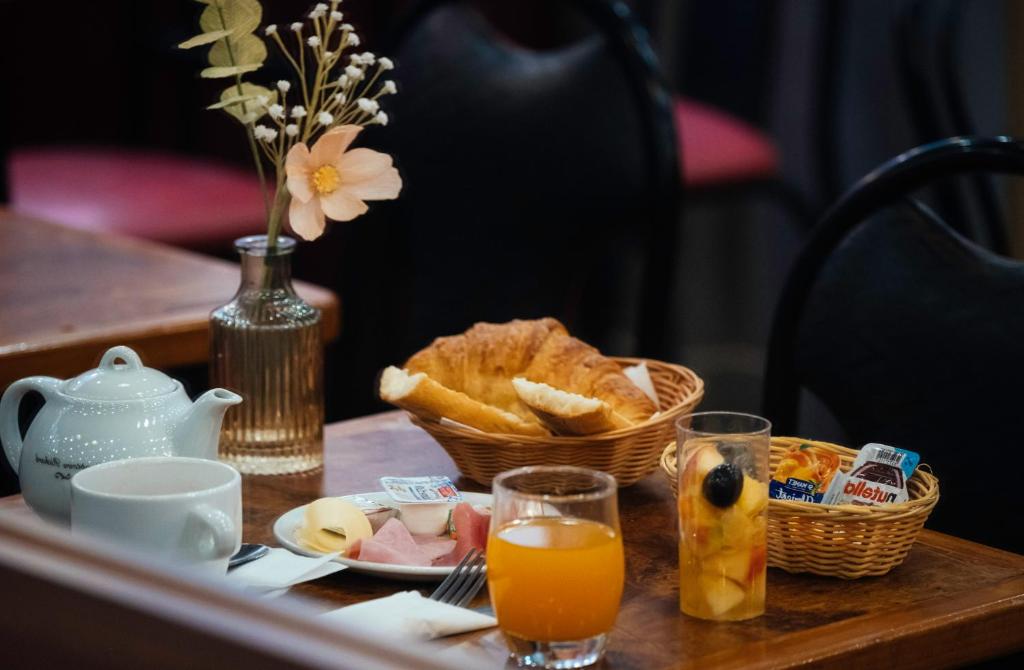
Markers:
(879, 476)
(804, 473)
(432, 489)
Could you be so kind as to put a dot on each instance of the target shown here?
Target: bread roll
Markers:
(424, 397)
(568, 413)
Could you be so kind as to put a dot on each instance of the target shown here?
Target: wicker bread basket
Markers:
(628, 454)
(847, 541)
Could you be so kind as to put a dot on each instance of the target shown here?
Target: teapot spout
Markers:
(199, 431)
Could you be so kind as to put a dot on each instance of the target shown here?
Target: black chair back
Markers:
(928, 42)
(911, 335)
(531, 176)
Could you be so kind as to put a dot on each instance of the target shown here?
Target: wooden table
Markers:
(952, 602)
(67, 295)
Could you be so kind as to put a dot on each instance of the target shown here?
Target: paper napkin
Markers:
(409, 614)
(281, 569)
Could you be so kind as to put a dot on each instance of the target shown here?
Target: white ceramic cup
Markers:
(186, 510)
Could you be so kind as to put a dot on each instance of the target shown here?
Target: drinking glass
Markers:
(555, 564)
(723, 495)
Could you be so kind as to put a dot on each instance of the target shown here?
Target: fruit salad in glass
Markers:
(723, 496)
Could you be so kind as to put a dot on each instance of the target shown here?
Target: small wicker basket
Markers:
(628, 454)
(846, 541)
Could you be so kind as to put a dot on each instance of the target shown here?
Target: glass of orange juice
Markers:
(723, 495)
(555, 564)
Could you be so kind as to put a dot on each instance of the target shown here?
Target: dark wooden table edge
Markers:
(990, 622)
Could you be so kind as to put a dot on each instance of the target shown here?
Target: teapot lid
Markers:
(125, 380)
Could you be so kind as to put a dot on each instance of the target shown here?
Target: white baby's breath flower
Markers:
(343, 80)
(368, 106)
(320, 7)
(385, 63)
(381, 118)
(291, 130)
(389, 87)
(297, 26)
(316, 14)
(368, 58)
(352, 40)
(313, 41)
(347, 27)
(261, 132)
(339, 98)
(354, 73)
(336, 15)
(298, 111)
(276, 111)
(325, 118)
(270, 30)
(328, 54)
(284, 85)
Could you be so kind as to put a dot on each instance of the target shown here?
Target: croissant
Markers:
(482, 362)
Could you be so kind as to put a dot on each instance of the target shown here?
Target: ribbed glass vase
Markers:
(266, 346)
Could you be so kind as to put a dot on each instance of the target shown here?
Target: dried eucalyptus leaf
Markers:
(230, 71)
(239, 16)
(246, 49)
(205, 38)
(232, 102)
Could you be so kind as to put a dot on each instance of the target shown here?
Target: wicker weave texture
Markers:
(628, 454)
(846, 541)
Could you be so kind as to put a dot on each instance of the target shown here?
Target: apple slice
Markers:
(738, 529)
(753, 497)
(733, 564)
(699, 463)
(721, 593)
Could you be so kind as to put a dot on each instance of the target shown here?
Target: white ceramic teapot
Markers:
(118, 410)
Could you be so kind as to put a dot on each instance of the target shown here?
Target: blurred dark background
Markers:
(819, 84)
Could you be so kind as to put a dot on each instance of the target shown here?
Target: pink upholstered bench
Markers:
(181, 201)
(718, 149)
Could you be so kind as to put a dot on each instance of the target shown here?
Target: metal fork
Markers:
(464, 582)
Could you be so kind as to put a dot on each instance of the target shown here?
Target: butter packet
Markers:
(879, 476)
(418, 490)
(804, 473)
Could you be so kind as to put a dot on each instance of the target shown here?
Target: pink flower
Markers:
(332, 180)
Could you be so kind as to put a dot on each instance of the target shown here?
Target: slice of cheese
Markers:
(348, 522)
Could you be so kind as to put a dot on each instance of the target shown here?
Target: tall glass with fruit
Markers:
(723, 497)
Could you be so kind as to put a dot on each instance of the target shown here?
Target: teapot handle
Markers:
(10, 434)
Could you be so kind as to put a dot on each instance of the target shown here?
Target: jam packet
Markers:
(432, 489)
(804, 473)
(879, 476)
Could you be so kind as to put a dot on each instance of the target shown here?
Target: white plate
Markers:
(288, 523)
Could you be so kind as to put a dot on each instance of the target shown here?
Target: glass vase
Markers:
(266, 345)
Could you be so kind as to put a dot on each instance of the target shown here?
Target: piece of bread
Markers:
(568, 413)
(424, 397)
(572, 365)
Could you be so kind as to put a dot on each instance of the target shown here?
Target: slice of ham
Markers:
(392, 544)
(435, 547)
(471, 529)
